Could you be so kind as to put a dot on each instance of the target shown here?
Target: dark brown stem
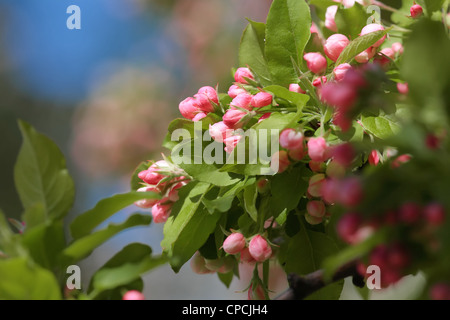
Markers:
(302, 286)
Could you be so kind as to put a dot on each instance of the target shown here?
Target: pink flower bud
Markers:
(316, 62)
(291, 139)
(409, 213)
(315, 185)
(261, 99)
(342, 95)
(150, 177)
(432, 142)
(203, 103)
(173, 192)
(210, 92)
(133, 295)
(340, 71)
(246, 257)
(219, 131)
(160, 211)
(317, 82)
(397, 162)
(372, 28)
(147, 203)
(243, 101)
(397, 47)
(342, 120)
(416, 11)
(280, 161)
(316, 208)
(374, 158)
(188, 108)
(232, 118)
(317, 148)
(259, 249)
(440, 291)
(297, 154)
(198, 264)
(231, 142)
(234, 243)
(316, 166)
(383, 57)
(264, 116)
(343, 154)
(329, 190)
(403, 88)
(313, 28)
(351, 192)
(199, 116)
(366, 55)
(334, 45)
(235, 90)
(262, 185)
(241, 74)
(434, 214)
(313, 220)
(348, 226)
(330, 15)
(294, 87)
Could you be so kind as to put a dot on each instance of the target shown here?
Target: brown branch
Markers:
(302, 286)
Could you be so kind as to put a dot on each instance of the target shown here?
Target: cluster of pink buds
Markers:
(197, 107)
(240, 111)
(258, 249)
(163, 178)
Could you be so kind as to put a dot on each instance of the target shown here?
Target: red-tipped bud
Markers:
(416, 11)
(219, 131)
(316, 208)
(403, 88)
(231, 143)
(374, 158)
(316, 166)
(203, 103)
(316, 62)
(210, 92)
(147, 203)
(242, 101)
(262, 185)
(261, 99)
(241, 74)
(319, 81)
(188, 108)
(280, 161)
(234, 243)
(334, 45)
(264, 116)
(434, 213)
(259, 249)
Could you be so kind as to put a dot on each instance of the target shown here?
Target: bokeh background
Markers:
(106, 93)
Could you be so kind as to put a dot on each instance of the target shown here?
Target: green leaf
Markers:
(82, 247)
(359, 45)
(40, 174)
(250, 196)
(226, 278)
(251, 51)
(297, 99)
(135, 182)
(287, 33)
(350, 21)
(381, 126)
(87, 221)
(321, 6)
(45, 242)
(188, 128)
(34, 215)
(315, 248)
(287, 189)
(189, 225)
(402, 16)
(210, 173)
(433, 5)
(20, 280)
(126, 267)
